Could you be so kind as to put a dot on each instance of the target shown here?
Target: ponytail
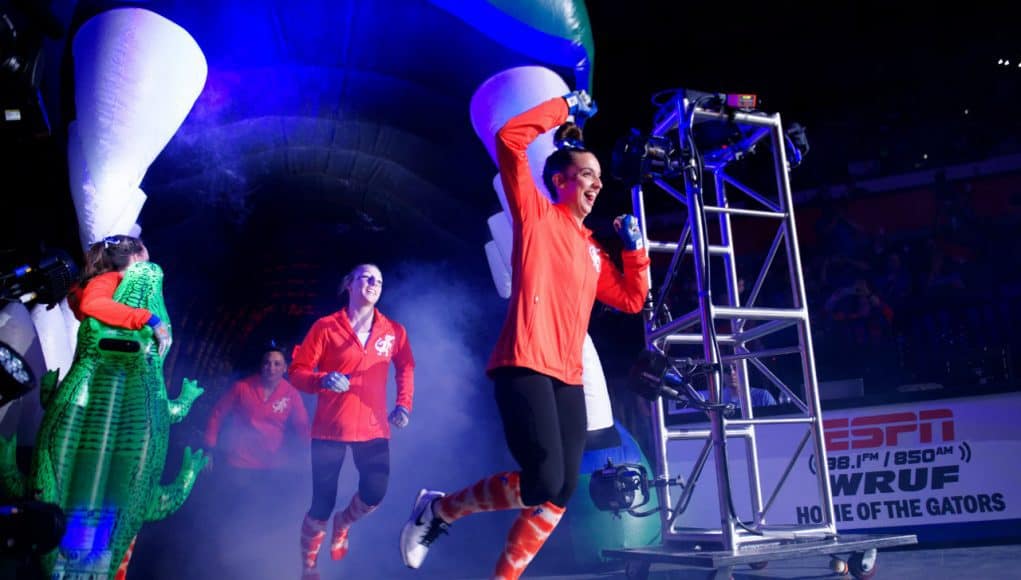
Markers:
(569, 142)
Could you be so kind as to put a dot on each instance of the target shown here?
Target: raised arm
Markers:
(512, 141)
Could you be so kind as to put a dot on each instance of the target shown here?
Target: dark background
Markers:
(254, 235)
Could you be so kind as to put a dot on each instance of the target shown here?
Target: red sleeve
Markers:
(404, 362)
(512, 141)
(97, 301)
(222, 408)
(299, 418)
(302, 372)
(624, 291)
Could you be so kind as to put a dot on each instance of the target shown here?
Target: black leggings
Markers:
(372, 458)
(544, 423)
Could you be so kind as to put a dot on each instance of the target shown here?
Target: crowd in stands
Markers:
(935, 304)
(911, 288)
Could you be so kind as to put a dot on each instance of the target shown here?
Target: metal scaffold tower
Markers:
(727, 165)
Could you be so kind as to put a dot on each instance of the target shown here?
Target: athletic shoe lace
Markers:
(436, 527)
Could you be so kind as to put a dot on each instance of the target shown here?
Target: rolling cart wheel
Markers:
(758, 565)
(838, 566)
(863, 565)
(635, 570)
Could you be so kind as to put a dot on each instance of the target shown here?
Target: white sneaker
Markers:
(421, 529)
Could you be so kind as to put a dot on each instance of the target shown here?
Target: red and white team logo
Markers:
(280, 405)
(385, 345)
(597, 262)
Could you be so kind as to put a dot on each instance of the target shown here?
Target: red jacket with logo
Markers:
(253, 428)
(360, 414)
(558, 268)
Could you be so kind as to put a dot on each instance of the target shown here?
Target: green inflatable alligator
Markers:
(102, 445)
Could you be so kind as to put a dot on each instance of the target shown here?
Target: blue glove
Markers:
(580, 106)
(400, 417)
(335, 382)
(627, 227)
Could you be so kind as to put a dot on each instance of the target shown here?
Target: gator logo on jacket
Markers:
(385, 345)
(280, 405)
(593, 253)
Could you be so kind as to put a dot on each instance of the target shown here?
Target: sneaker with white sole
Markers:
(421, 529)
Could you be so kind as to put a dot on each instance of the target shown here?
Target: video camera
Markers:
(639, 158)
(617, 488)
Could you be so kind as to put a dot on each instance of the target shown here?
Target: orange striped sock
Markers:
(501, 491)
(526, 537)
(355, 510)
(312, 534)
(122, 570)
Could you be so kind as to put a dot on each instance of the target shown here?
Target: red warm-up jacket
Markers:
(360, 414)
(559, 270)
(253, 428)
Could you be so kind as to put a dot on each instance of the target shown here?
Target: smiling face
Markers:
(366, 285)
(273, 367)
(579, 184)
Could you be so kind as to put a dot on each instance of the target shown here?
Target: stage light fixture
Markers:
(16, 378)
(46, 283)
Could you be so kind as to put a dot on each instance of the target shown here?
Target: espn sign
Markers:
(888, 429)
